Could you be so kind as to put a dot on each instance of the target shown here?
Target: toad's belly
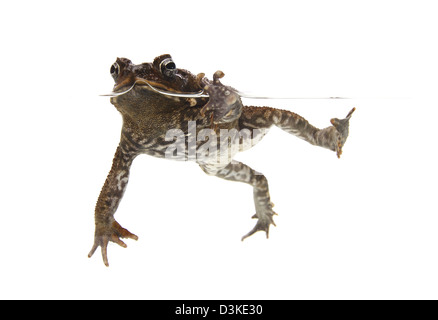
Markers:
(205, 147)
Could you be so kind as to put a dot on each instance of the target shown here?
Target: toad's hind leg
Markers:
(332, 137)
(237, 171)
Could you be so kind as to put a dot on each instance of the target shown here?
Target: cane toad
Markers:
(171, 113)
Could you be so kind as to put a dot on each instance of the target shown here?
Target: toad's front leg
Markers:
(107, 228)
(224, 104)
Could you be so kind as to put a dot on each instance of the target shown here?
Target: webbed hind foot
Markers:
(263, 224)
(342, 127)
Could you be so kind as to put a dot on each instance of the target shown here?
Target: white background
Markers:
(362, 227)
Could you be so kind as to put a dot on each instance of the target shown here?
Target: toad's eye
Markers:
(168, 67)
(115, 70)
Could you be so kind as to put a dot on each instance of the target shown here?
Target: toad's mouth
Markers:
(123, 88)
(153, 86)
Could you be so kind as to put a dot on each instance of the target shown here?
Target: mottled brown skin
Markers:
(149, 115)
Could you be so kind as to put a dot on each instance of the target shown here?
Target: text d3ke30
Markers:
(223, 309)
